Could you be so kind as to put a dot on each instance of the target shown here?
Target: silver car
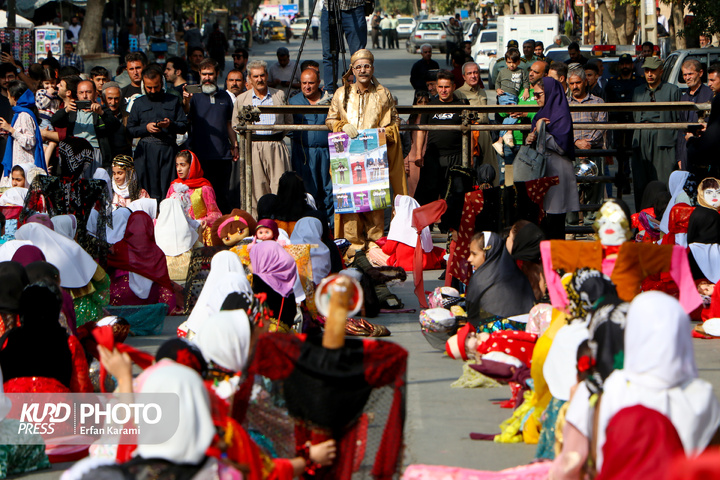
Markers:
(428, 31)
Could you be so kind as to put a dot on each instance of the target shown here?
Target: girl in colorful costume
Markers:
(124, 182)
(195, 193)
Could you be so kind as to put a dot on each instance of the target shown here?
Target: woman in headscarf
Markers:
(84, 279)
(42, 271)
(402, 239)
(139, 274)
(124, 182)
(498, 287)
(24, 145)
(28, 254)
(524, 246)
(175, 237)
(291, 203)
(13, 280)
(39, 332)
(195, 193)
(308, 230)
(183, 455)
(227, 275)
(659, 372)
(68, 193)
(275, 274)
(65, 225)
(560, 153)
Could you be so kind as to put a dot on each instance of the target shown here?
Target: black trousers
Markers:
(155, 166)
(218, 172)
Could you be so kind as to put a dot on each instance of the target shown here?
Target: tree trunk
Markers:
(90, 40)
(608, 19)
(630, 23)
(678, 24)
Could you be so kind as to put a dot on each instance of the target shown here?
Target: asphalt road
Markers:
(439, 418)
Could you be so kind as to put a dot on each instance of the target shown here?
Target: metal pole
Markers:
(248, 203)
(241, 168)
(11, 12)
(466, 152)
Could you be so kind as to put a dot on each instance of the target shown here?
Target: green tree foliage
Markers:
(707, 16)
(402, 7)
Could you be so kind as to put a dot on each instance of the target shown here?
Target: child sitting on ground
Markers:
(510, 81)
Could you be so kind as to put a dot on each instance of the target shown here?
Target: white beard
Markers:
(209, 88)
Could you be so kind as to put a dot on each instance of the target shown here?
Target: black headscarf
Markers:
(266, 206)
(606, 341)
(526, 244)
(13, 279)
(498, 286)
(43, 272)
(183, 352)
(291, 198)
(587, 289)
(557, 111)
(651, 192)
(39, 347)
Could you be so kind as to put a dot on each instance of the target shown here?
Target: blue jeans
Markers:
(507, 99)
(354, 26)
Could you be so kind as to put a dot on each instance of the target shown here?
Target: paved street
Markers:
(439, 418)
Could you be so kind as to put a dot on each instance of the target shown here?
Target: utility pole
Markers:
(648, 21)
(11, 12)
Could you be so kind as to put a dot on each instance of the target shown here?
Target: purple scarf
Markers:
(274, 265)
(556, 110)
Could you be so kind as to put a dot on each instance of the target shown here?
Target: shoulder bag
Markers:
(530, 163)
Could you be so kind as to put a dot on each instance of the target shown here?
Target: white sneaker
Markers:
(326, 98)
(508, 138)
(498, 146)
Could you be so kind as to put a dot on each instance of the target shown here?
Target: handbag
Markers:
(530, 163)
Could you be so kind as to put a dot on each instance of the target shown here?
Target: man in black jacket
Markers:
(114, 104)
(89, 122)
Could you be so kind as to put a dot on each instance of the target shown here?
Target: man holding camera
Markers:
(156, 119)
(83, 117)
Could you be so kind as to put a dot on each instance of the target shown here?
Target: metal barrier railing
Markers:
(470, 114)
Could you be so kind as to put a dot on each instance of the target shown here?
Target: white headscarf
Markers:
(308, 230)
(124, 191)
(560, 369)
(675, 185)
(27, 169)
(401, 229)
(173, 234)
(660, 373)
(14, 196)
(195, 428)
(8, 249)
(147, 205)
(65, 225)
(227, 275)
(102, 174)
(75, 265)
(225, 339)
(119, 219)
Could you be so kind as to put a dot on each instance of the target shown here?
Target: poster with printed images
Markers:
(360, 173)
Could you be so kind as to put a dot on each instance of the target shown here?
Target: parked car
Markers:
(672, 68)
(405, 27)
(298, 27)
(485, 48)
(273, 30)
(427, 31)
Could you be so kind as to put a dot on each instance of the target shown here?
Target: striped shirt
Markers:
(595, 137)
(265, 118)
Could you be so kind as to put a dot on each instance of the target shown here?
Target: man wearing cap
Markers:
(620, 89)
(279, 73)
(358, 106)
(653, 150)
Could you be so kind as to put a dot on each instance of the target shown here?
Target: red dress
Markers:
(402, 255)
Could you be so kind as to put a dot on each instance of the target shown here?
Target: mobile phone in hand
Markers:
(83, 104)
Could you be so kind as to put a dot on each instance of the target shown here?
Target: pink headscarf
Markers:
(28, 254)
(274, 266)
(42, 219)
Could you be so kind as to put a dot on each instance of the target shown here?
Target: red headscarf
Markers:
(195, 177)
(137, 252)
(640, 444)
